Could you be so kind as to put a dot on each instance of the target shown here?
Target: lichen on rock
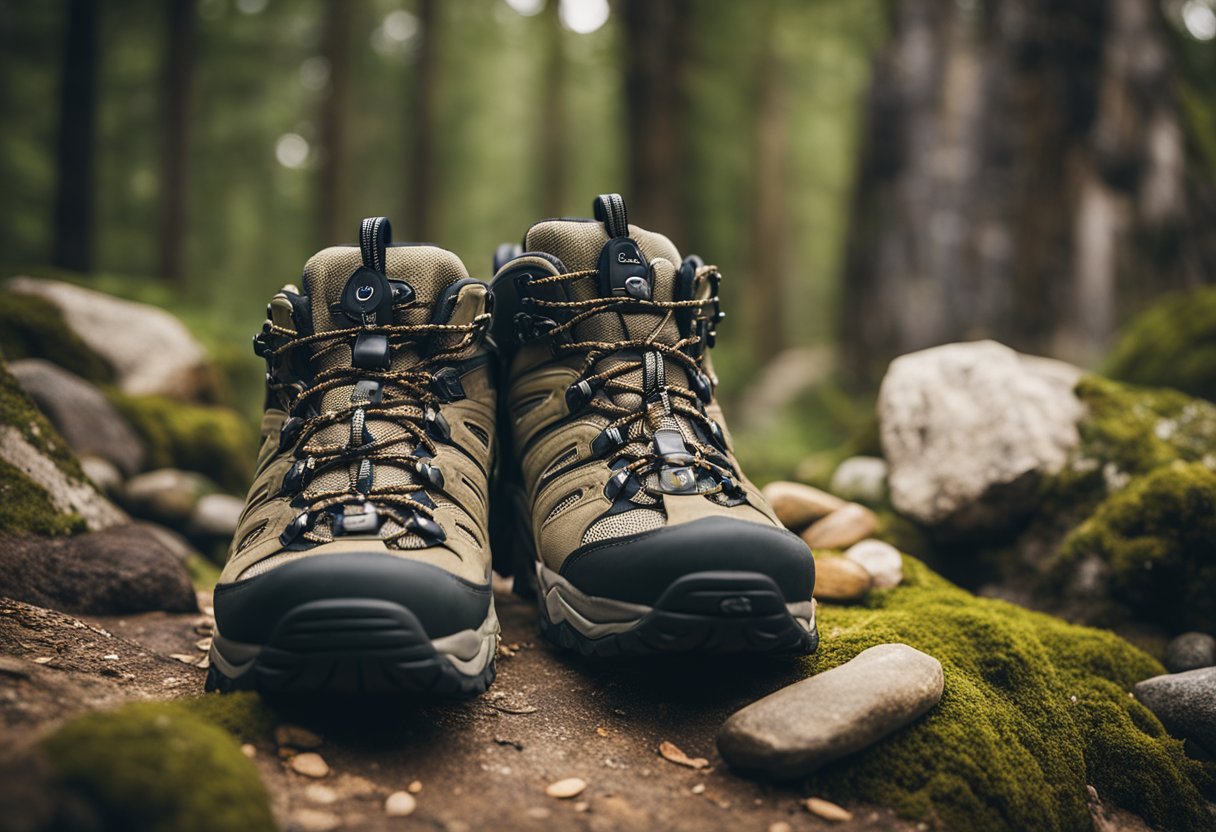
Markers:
(156, 766)
(1034, 711)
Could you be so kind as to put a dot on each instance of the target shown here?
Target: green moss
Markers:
(153, 766)
(204, 574)
(26, 508)
(19, 411)
(1034, 710)
(244, 715)
(1171, 344)
(1158, 536)
(33, 327)
(209, 439)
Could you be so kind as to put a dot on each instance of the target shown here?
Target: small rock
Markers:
(414, 787)
(798, 729)
(314, 820)
(840, 579)
(316, 793)
(167, 495)
(842, 528)
(216, 515)
(309, 764)
(582, 806)
(780, 826)
(1190, 651)
(103, 473)
(674, 754)
(294, 736)
(565, 789)
(828, 810)
(1184, 702)
(797, 505)
(882, 560)
(400, 805)
(861, 478)
(248, 750)
(698, 789)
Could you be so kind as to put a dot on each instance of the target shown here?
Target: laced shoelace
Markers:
(674, 399)
(407, 399)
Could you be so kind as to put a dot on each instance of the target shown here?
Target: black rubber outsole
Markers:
(701, 613)
(352, 647)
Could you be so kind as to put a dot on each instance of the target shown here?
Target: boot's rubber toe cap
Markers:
(639, 568)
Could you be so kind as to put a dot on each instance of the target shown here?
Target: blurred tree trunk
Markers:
(1022, 177)
(178, 96)
(422, 209)
(336, 224)
(552, 144)
(72, 231)
(768, 210)
(655, 58)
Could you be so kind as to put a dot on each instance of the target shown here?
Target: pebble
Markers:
(414, 787)
(802, 727)
(249, 751)
(309, 764)
(699, 788)
(565, 789)
(842, 528)
(400, 805)
(294, 736)
(861, 478)
(1185, 703)
(316, 793)
(840, 579)
(797, 505)
(314, 820)
(780, 826)
(882, 560)
(828, 810)
(1190, 651)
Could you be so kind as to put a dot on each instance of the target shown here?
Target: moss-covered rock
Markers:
(1034, 710)
(26, 507)
(17, 410)
(158, 767)
(1171, 344)
(1158, 538)
(209, 439)
(33, 327)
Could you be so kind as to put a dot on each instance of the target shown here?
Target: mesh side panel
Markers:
(252, 536)
(565, 503)
(478, 432)
(566, 456)
(467, 533)
(626, 523)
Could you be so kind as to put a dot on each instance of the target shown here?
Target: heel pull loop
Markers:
(610, 210)
(375, 233)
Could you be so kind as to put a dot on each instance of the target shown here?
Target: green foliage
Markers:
(1034, 710)
(33, 327)
(212, 440)
(157, 767)
(26, 508)
(1158, 536)
(1171, 344)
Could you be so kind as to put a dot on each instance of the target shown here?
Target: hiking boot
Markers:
(361, 563)
(621, 504)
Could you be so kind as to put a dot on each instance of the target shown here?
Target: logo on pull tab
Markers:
(364, 293)
(622, 258)
(623, 269)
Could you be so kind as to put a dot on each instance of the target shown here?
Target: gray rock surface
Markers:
(970, 429)
(103, 474)
(1184, 702)
(1190, 651)
(81, 413)
(216, 515)
(166, 495)
(68, 494)
(120, 570)
(882, 560)
(861, 478)
(151, 351)
(800, 728)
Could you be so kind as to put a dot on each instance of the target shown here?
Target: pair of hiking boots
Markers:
(562, 415)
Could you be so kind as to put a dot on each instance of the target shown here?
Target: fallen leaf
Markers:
(565, 789)
(672, 754)
(828, 810)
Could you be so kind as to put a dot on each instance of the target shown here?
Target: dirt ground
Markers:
(481, 764)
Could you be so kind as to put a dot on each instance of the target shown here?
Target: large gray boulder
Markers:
(81, 413)
(969, 430)
(151, 351)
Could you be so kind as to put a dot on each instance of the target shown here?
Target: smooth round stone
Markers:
(882, 560)
(216, 515)
(797, 505)
(1190, 651)
(309, 764)
(400, 805)
(802, 727)
(1184, 702)
(845, 526)
(861, 478)
(840, 579)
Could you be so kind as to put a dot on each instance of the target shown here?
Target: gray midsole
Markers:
(595, 616)
(469, 651)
